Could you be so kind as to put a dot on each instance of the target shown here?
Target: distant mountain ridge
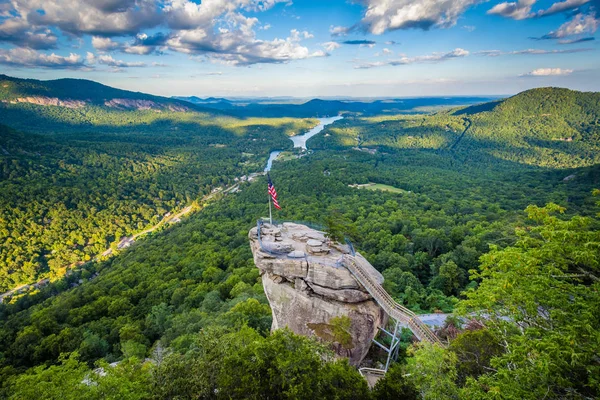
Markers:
(320, 107)
(77, 93)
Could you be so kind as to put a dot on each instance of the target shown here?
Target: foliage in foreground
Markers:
(212, 364)
(538, 335)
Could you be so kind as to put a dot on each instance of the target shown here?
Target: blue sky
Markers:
(305, 48)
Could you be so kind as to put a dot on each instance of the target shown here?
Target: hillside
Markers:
(548, 113)
(74, 182)
(78, 93)
(548, 127)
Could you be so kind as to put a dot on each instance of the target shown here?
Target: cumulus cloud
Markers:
(384, 52)
(384, 15)
(515, 10)
(331, 46)
(5, 9)
(186, 14)
(111, 62)
(522, 9)
(95, 17)
(22, 57)
(561, 6)
(432, 58)
(549, 72)
(141, 45)
(338, 30)
(105, 44)
(580, 24)
(18, 32)
(215, 29)
(144, 44)
(239, 46)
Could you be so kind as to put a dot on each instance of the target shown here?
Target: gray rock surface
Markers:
(312, 293)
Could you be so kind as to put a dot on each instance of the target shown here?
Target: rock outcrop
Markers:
(125, 104)
(311, 292)
(49, 101)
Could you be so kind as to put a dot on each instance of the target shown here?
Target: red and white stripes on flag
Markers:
(273, 194)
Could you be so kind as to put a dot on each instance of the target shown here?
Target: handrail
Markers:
(389, 305)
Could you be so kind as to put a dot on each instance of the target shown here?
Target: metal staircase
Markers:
(389, 305)
(402, 316)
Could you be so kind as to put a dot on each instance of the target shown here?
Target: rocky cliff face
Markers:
(49, 101)
(311, 293)
(125, 104)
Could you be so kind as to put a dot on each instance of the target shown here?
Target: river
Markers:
(300, 140)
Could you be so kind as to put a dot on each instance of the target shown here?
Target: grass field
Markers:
(379, 186)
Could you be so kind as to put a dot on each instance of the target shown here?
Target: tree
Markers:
(540, 299)
(449, 279)
(57, 382)
(474, 350)
(395, 385)
(432, 371)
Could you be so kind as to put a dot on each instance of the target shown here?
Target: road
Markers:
(128, 241)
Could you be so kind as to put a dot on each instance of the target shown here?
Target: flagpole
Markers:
(270, 216)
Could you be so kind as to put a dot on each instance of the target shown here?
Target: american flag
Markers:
(273, 193)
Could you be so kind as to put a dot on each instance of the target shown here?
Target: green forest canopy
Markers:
(454, 238)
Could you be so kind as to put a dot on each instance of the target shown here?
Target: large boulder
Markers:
(312, 293)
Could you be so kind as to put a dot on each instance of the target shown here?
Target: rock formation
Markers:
(311, 292)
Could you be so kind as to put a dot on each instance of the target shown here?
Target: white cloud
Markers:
(21, 57)
(104, 44)
(561, 6)
(521, 9)
(580, 24)
(331, 46)
(186, 14)
(338, 30)
(111, 62)
(432, 58)
(385, 15)
(515, 10)
(214, 29)
(96, 17)
(236, 42)
(238, 45)
(549, 72)
(18, 32)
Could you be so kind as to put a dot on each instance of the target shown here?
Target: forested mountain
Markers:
(434, 201)
(77, 93)
(548, 127)
(90, 176)
(321, 107)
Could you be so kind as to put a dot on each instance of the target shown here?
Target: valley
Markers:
(456, 209)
